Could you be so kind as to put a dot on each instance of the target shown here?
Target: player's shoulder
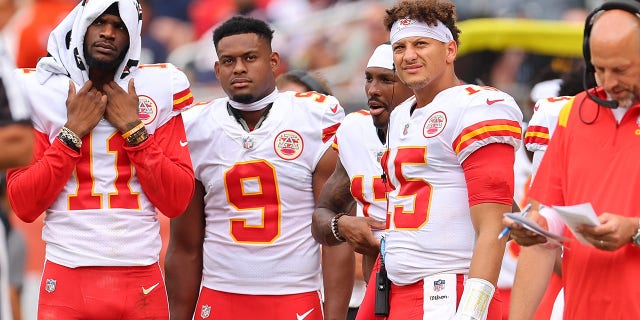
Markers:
(158, 73)
(157, 67)
(25, 74)
(551, 105)
(476, 96)
(199, 108)
(483, 103)
(312, 102)
(359, 118)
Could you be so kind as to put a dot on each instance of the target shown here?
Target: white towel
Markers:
(65, 46)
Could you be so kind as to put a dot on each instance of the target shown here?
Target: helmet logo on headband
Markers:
(403, 23)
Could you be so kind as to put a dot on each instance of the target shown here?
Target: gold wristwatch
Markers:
(636, 237)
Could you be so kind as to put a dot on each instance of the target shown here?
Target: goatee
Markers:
(243, 98)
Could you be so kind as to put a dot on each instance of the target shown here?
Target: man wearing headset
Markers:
(589, 159)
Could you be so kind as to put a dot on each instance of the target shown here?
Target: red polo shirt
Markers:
(592, 158)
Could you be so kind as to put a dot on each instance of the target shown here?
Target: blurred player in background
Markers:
(357, 179)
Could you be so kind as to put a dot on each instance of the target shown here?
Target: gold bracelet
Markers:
(70, 138)
(133, 130)
(137, 137)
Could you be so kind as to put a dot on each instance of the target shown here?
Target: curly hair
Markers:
(241, 25)
(428, 11)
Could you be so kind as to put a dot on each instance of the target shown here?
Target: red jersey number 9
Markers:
(253, 186)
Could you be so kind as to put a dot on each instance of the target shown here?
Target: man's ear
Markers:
(275, 61)
(216, 68)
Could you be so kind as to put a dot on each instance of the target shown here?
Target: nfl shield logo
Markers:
(379, 156)
(438, 285)
(247, 143)
(50, 285)
(205, 312)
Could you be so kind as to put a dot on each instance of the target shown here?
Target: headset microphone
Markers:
(612, 104)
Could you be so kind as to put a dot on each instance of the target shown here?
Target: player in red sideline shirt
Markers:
(588, 160)
(357, 179)
(243, 249)
(108, 153)
(450, 166)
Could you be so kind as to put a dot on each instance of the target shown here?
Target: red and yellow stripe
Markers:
(486, 129)
(182, 99)
(537, 135)
(334, 144)
(329, 132)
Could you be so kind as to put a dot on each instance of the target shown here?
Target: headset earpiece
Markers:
(626, 5)
(630, 6)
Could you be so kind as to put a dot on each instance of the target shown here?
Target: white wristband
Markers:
(475, 300)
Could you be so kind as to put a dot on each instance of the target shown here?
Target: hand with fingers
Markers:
(122, 106)
(85, 108)
(525, 237)
(357, 231)
(613, 232)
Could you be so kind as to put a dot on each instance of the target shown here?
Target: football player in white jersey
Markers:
(358, 176)
(450, 167)
(243, 249)
(107, 156)
(16, 131)
(16, 145)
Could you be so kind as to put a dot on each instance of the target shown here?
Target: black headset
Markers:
(308, 80)
(631, 6)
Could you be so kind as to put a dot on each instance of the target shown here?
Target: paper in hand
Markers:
(533, 226)
(576, 215)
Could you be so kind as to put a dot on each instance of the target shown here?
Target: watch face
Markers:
(636, 238)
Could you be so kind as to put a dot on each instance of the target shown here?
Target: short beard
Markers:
(104, 65)
(244, 98)
(626, 103)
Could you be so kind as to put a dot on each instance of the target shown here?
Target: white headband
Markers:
(407, 27)
(382, 57)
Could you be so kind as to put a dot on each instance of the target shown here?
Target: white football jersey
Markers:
(259, 195)
(543, 122)
(102, 216)
(430, 229)
(360, 151)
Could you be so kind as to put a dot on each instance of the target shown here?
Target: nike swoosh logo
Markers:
(146, 291)
(184, 143)
(490, 102)
(304, 315)
(334, 109)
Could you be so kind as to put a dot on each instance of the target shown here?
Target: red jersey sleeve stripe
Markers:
(537, 135)
(486, 129)
(334, 145)
(182, 99)
(329, 132)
